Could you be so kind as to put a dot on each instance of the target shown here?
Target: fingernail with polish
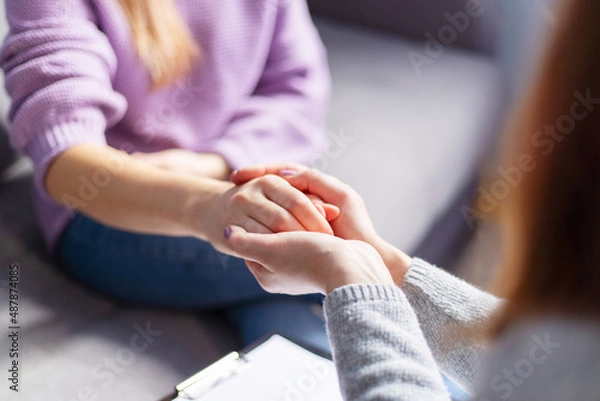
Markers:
(287, 173)
(227, 233)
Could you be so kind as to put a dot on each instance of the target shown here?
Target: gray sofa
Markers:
(410, 140)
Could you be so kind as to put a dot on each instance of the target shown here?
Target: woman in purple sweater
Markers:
(134, 113)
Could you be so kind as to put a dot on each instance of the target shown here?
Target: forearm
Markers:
(452, 313)
(210, 165)
(113, 188)
(378, 347)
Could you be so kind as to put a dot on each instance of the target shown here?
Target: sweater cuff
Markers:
(432, 280)
(419, 272)
(362, 292)
(46, 147)
(427, 284)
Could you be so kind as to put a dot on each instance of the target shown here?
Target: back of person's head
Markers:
(551, 221)
(162, 39)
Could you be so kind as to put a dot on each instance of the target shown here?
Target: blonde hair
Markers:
(162, 39)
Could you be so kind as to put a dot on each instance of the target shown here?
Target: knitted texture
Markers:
(451, 312)
(378, 347)
(382, 353)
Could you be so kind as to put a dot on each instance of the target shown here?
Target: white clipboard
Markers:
(275, 370)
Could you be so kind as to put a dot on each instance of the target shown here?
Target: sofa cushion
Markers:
(408, 142)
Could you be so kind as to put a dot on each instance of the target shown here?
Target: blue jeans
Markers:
(184, 273)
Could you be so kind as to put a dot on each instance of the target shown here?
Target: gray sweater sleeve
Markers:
(378, 347)
(381, 353)
(450, 311)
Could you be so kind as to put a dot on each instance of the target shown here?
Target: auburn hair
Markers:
(162, 39)
(551, 221)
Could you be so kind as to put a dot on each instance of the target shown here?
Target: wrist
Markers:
(199, 213)
(217, 167)
(340, 278)
(396, 261)
(362, 264)
(344, 277)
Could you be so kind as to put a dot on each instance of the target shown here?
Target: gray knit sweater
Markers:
(392, 343)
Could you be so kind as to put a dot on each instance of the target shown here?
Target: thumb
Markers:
(252, 247)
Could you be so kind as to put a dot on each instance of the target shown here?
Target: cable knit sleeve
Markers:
(378, 347)
(58, 68)
(450, 311)
(284, 119)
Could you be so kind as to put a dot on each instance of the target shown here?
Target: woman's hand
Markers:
(353, 222)
(303, 263)
(264, 205)
(209, 165)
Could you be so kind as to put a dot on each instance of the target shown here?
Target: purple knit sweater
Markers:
(258, 96)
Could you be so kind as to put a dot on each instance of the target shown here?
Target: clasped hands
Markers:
(319, 238)
(299, 230)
